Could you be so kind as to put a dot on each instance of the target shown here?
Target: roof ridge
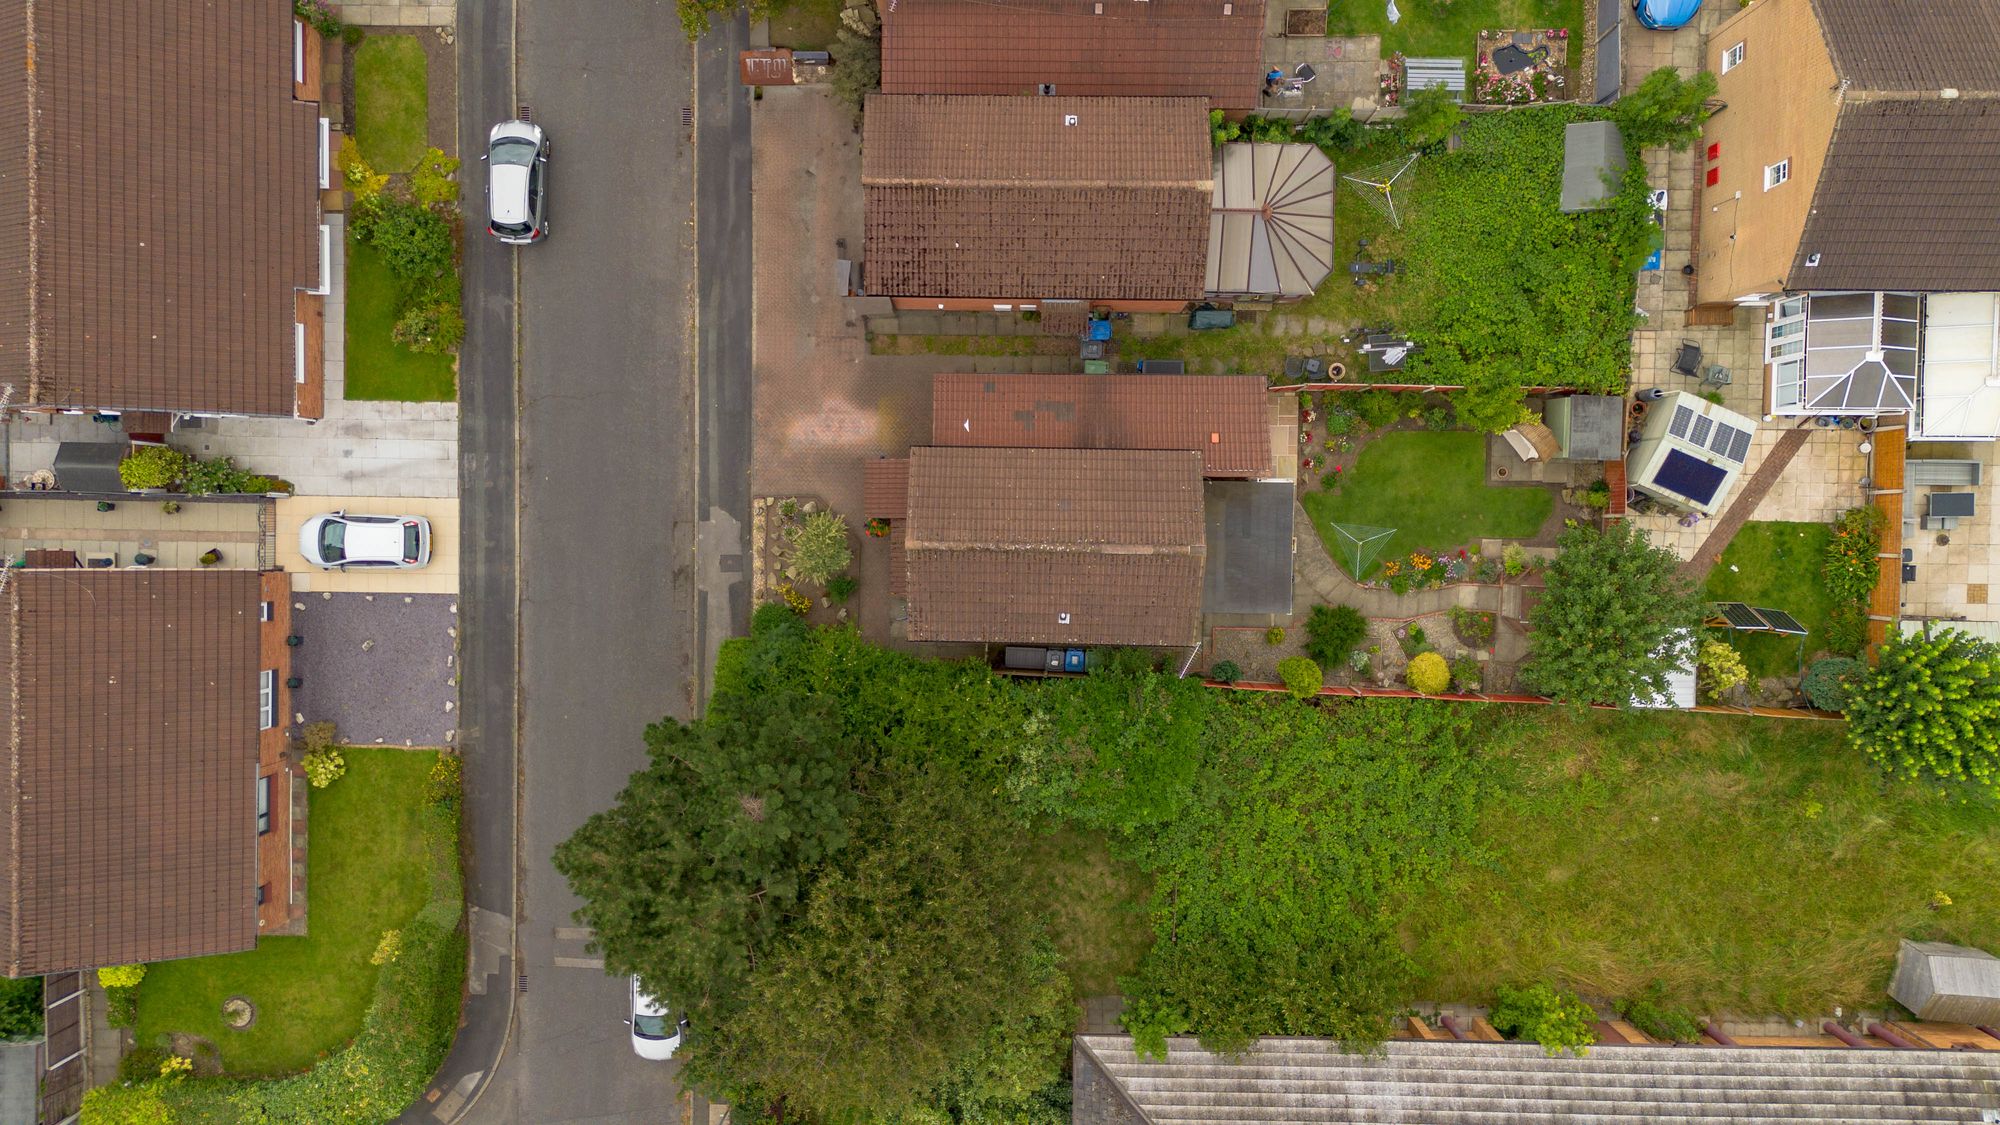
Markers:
(10, 604)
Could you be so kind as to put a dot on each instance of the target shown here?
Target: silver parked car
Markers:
(337, 541)
(517, 188)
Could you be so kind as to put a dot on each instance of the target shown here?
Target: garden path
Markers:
(1320, 579)
(1745, 505)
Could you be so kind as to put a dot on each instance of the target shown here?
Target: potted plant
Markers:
(210, 557)
(171, 507)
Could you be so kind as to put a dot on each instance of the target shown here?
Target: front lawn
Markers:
(377, 366)
(391, 100)
(805, 25)
(367, 872)
(1775, 566)
(1431, 487)
(1755, 866)
(1449, 27)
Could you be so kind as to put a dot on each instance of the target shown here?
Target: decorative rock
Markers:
(368, 644)
(378, 742)
(450, 706)
(367, 597)
(451, 735)
(298, 605)
(451, 631)
(449, 657)
(454, 605)
(326, 596)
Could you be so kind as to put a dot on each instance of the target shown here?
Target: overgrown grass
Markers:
(378, 367)
(805, 25)
(1097, 906)
(366, 873)
(1753, 866)
(1431, 487)
(1775, 565)
(1450, 27)
(391, 101)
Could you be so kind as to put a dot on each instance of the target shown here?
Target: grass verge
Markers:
(1775, 565)
(1753, 866)
(377, 366)
(806, 25)
(1451, 27)
(366, 874)
(391, 101)
(1431, 487)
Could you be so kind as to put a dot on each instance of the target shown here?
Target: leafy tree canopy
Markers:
(1665, 109)
(1602, 631)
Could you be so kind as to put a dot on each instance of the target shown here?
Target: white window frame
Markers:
(325, 260)
(264, 805)
(1777, 173)
(266, 611)
(1732, 57)
(267, 699)
(325, 154)
(299, 351)
(298, 52)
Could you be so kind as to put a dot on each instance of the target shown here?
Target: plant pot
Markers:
(293, 681)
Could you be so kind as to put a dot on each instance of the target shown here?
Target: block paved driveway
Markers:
(380, 666)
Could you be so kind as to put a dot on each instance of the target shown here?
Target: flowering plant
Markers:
(1392, 568)
(1420, 561)
(877, 527)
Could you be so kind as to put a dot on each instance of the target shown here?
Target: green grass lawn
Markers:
(1431, 487)
(1448, 27)
(1754, 866)
(391, 101)
(805, 25)
(377, 366)
(1098, 903)
(366, 873)
(1776, 565)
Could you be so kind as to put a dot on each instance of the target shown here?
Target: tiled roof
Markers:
(127, 810)
(885, 488)
(1913, 45)
(1055, 546)
(175, 205)
(1906, 199)
(1227, 418)
(1004, 197)
(1313, 1082)
(1161, 48)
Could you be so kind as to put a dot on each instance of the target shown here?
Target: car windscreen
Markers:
(653, 1027)
(410, 543)
(512, 152)
(333, 541)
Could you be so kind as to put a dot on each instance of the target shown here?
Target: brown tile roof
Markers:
(1226, 418)
(996, 197)
(175, 206)
(1055, 546)
(1913, 45)
(885, 488)
(1906, 199)
(127, 808)
(1162, 48)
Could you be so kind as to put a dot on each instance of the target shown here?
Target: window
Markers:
(263, 893)
(267, 699)
(265, 611)
(1775, 174)
(263, 805)
(1732, 58)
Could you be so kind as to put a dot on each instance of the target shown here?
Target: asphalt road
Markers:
(591, 603)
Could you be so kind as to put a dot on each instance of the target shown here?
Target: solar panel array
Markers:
(1781, 622)
(1728, 442)
(1683, 418)
(1739, 616)
(1759, 620)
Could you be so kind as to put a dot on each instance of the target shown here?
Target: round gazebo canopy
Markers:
(1270, 231)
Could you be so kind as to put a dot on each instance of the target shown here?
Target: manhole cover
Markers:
(238, 1013)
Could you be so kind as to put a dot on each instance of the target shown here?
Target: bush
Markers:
(324, 767)
(433, 328)
(446, 780)
(415, 242)
(1598, 496)
(1467, 674)
(1665, 109)
(121, 976)
(841, 587)
(319, 16)
(431, 184)
(363, 181)
(1851, 567)
(217, 476)
(140, 1063)
(1429, 116)
(1559, 1021)
(1332, 632)
(153, 466)
(1225, 672)
(1649, 1011)
(21, 1008)
(127, 1105)
(1930, 710)
(1607, 628)
(1275, 635)
(819, 547)
(1514, 559)
(1428, 673)
(387, 949)
(121, 1007)
(1476, 626)
(1829, 680)
(1338, 130)
(318, 736)
(1847, 628)
(1379, 408)
(1720, 668)
(1302, 677)
(857, 54)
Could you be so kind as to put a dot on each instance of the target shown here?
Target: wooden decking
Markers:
(1886, 470)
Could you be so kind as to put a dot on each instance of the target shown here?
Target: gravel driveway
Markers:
(380, 666)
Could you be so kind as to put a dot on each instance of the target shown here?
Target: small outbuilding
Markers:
(1947, 983)
(1593, 165)
(1587, 427)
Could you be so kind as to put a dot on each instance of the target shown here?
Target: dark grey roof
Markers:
(1593, 161)
(1311, 1082)
(1906, 198)
(90, 466)
(1594, 429)
(1913, 45)
(1939, 981)
(1249, 546)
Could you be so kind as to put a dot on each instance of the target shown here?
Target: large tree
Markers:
(1607, 630)
(709, 850)
(1930, 710)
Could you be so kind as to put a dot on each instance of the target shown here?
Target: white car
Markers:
(655, 1033)
(517, 189)
(336, 541)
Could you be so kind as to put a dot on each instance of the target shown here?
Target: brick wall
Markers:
(274, 848)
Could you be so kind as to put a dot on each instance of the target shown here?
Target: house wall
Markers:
(274, 848)
(984, 304)
(1781, 103)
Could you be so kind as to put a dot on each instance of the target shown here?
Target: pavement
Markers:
(381, 667)
(592, 595)
(440, 577)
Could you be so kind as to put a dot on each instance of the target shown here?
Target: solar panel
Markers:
(1740, 616)
(1698, 434)
(1682, 475)
(1683, 416)
(1719, 440)
(1739, 445)
(1781, 622)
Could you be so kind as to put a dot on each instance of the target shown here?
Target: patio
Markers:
(133, 527)
(1345, 68)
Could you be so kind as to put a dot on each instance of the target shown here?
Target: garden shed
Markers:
(1949, 983)
(1593, 165)
(1422, 74)
(1587, 427)
(1270, 223)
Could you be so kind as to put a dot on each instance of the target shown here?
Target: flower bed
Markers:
(1541, 81)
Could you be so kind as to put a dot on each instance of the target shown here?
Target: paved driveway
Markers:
(380, 666)
(440, 577)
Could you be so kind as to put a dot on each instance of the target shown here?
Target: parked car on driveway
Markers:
(656, 1034)
(337, 541)
(517, 172)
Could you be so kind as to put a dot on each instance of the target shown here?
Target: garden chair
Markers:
(1687, 361)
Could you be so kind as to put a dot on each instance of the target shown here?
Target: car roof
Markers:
(509, 195)
(374, 540)
(645, 1005)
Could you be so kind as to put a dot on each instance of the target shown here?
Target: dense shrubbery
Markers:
(1332, 631)
(1851, 570)
(20, 1008)
(153, 466)
(416, 230)
(1605, 631)
(159, 466)
(121, 976)
(1930, 710)
(1829, 681)
(1651, 1012)
(1559, 1021)
(1720, 669)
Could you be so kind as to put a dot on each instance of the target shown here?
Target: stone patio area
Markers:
(1957, 579)
(1346, 68)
